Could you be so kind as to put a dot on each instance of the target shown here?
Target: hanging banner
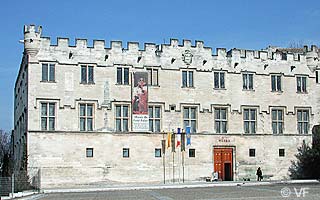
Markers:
(188, 134)
(140, 117)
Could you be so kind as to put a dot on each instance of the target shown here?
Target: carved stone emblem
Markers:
(187, 57)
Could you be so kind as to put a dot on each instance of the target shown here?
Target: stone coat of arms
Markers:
(187, 57)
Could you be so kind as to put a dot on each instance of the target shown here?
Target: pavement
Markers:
(29, 195)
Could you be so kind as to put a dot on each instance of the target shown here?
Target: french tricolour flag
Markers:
(179, 137)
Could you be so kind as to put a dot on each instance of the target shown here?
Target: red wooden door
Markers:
(222, 159)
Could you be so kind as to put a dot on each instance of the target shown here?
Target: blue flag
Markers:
(188, 134)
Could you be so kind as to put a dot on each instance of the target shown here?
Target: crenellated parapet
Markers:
(173, 55)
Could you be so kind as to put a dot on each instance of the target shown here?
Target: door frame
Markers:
(234, 169)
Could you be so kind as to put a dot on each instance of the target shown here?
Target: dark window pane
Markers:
(157, 153)
(51, 74)
(184, 79)
(193, 113)
(222, 80)
(89, 152)
(274, 127)
(280, 114)
(125, 111)
(118, 111)
(149, 76)
(44, 72)
(51, 109)
(126, 76)
(157, 126)
(246, 114)
(125, 125)
(298, 84)
(43, 123)
(185, 113)
(157, 112)
(82, 110)
(273, 83)
(217, 113)
(155, 77)
(279, 83)
(83, 74)
(223, 127)
(82, 124)
(253, 114)
(90, 75)
(274, 115)
(190, 79)
(246, 127)
(150, 110)
(304, 84)
(44, 109)
(89, 124)
(253, 127)
(89, 110)
(223, 113)
(51, 123)
(150, 125)
(119, 75)
(244, 79)
(217, 125)
(118, 125)
(250, 81)
(216, 80)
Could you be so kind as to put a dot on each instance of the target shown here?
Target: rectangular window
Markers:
(122, 118)
(276, 83)
(303, 121)
(123, 75)
(301, 84)
(87, 74)
(219, 80)
(89, 152)
(277, 121)
(220, 120)
(125, 152)
(190, 118)
(154, 118)
(152, 76)
(252, 152)
(192, 153)
(247, 81)
(86, 117)
(187, 78)
(48, 72)
(317, 76)
(157, 153)
(48, 115)
(281, 153)
(250, 120)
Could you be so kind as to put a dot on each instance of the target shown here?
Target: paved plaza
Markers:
(270, 192)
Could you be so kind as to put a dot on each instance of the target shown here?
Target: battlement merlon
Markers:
(33, 41)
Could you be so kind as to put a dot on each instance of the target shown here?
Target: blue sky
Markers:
(248, 24)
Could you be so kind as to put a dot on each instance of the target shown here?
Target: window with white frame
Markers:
(123, 75)
(276, 83)
(277, 121)
(86, 117)
(48, 116)
(247, 81)
(303, 121)
(122, 118)
(220, 120)
(187, 78)
(48, 72)
(219, 80)
(301, 84)
(154, 118)
(250, 120)
(153, 76)
(190, 118)
(87, 74)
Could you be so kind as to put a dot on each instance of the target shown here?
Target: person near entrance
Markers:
(215, 176)
(259, 174)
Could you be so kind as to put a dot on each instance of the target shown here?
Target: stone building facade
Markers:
(246, 109)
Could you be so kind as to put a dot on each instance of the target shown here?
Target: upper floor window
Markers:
(48, 72)
(190, 118)
(277, 121)
(86, 117)
(122, 118)
(301, 84)
(250, 120)
(187, 78)
(152, 76)
(317, 76)
(220, 120)
(48, 115)
(247, 81)
(276, 83)
(154, 118)
(123, 75)
(303, 121)
(219, 80)
(86, 74)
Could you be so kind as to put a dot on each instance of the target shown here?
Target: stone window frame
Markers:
(121, 78)
(89, 68)
(121, 117)
(220, 120)
(185, 77)
(247, 81)
(275, 86)
(277, 121)
(89, 152)
(48, 116)
(301, 89)
(157, 153)
(250, 120)
(305, 123)
(86, 117)
(189, 118)
(152, 73)
(217, 79)
(50, 69)
(153, 118)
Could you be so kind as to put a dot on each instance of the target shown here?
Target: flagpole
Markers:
(163, 144)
